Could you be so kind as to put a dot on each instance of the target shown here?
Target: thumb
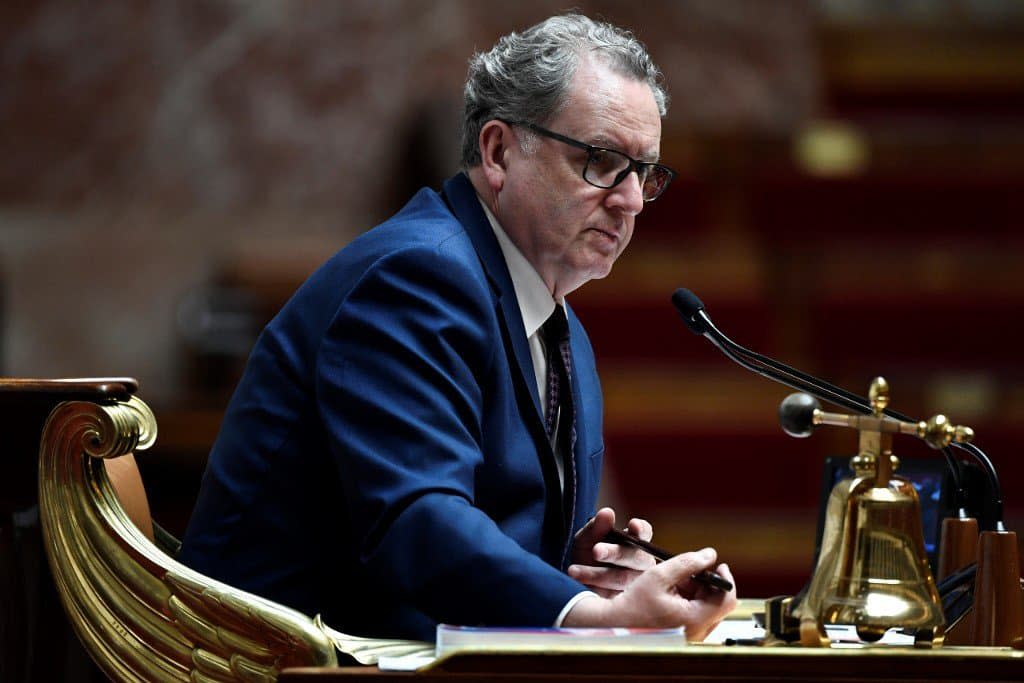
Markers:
(599, 525)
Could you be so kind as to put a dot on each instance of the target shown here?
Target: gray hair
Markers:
(525, 76)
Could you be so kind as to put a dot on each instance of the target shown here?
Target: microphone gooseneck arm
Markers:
(772, 369)
(691, 310)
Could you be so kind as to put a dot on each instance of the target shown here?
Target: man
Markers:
(410, 443)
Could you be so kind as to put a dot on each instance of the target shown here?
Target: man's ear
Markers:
(496, 139)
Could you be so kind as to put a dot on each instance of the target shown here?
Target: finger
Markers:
(678, 570)
(594, 530)
(714, 595)
(726, 573)
(708, 591)
(640, 528)
(608, 578)
(731, 599)
(623, 556)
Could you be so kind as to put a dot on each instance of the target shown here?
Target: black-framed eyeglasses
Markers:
(606, 168)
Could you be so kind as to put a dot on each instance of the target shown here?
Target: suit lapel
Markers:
(572, 481)
(589, 420)
(466, 206)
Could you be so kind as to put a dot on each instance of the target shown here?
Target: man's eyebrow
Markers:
(608, 143)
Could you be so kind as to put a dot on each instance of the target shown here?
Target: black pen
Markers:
(707, 577)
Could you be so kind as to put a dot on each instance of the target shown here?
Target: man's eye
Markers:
(605, 161)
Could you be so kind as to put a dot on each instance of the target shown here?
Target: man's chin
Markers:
(600, 272)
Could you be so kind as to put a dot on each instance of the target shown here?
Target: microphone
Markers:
(691, 310)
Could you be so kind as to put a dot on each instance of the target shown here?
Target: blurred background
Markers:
(850, 201)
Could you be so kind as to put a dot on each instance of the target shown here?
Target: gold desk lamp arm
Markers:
(141, 615)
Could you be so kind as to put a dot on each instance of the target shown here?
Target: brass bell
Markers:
(872, 571)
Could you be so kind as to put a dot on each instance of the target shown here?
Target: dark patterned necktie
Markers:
(560, 420)
(560, 415)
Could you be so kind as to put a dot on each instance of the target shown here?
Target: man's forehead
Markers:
(607, 108)
(619, 130)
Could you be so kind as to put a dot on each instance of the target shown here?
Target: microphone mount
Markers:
(800, 414)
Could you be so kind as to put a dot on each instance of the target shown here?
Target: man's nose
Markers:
(629, 194)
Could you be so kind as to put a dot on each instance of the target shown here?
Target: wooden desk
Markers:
(698, 663)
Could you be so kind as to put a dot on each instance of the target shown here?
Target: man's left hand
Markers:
(607, 568)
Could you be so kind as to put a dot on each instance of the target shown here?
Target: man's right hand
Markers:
(664, 596)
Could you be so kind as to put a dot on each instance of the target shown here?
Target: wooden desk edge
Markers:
(705, 663)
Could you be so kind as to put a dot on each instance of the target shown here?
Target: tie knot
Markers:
(555, 330)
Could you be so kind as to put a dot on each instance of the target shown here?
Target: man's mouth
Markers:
(609, 234)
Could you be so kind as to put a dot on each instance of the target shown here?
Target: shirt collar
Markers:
(535, 301)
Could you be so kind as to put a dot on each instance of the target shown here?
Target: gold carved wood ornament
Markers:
(141, 615)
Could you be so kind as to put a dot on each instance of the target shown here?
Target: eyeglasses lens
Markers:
(655, 183)
(607, 168)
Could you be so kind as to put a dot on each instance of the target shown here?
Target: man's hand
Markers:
(608, 568)
(663, 597)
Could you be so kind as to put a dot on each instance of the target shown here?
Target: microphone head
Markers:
(690, 309)
(796, 414)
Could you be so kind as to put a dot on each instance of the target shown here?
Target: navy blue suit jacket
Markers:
(383, 460)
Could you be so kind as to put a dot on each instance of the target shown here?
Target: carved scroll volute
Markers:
(141, 615)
